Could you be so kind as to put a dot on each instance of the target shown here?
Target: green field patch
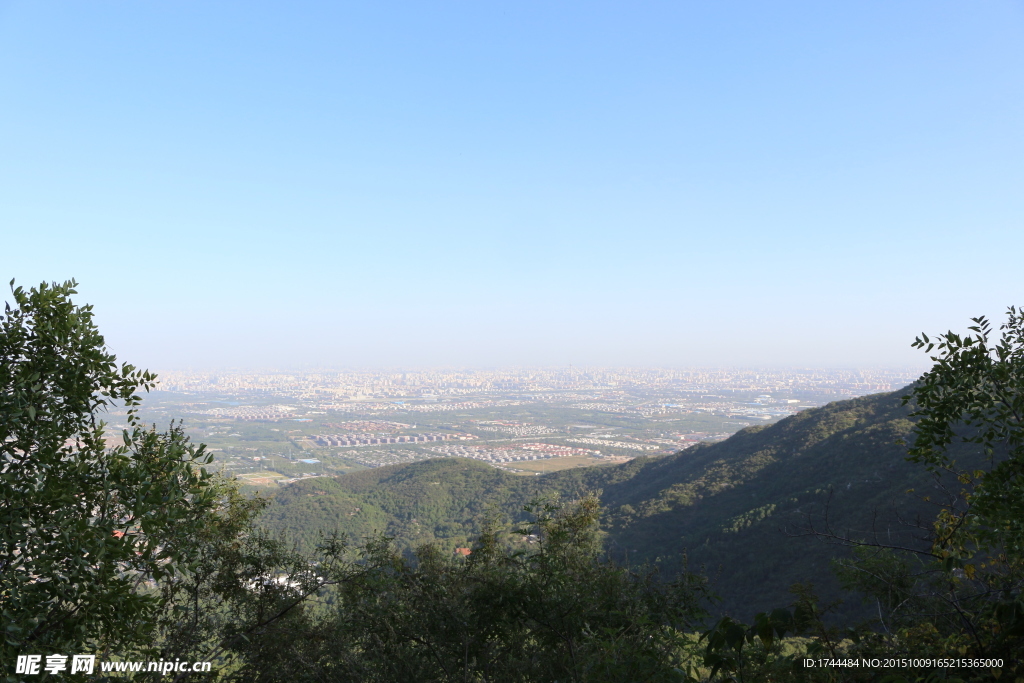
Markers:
(261, 478)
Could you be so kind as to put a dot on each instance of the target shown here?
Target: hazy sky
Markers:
(419, 183)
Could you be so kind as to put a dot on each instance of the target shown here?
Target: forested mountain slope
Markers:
(727, 505)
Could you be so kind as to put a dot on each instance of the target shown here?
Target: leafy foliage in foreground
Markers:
(85, 526)
(513, 610)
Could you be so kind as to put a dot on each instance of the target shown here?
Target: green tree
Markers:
(537, 603)
(243, 590)
(975, 394)
(87, 525)
(971, 592)
(961, 595)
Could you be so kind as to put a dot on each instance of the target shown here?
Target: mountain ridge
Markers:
(725, 506)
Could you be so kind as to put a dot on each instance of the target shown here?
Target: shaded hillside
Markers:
(731, 505)
(725, 504)
(441, 500)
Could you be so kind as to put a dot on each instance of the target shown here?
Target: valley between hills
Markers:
(741, 509)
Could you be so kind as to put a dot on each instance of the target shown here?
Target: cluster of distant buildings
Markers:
(505, 454)
(627, 445)
(553, 450)
(271, 413)
(513, 428)
(432, 406)
(372, 439)
(369, 426)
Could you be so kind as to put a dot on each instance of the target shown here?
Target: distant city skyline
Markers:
(427, 369)
(347, 385)
(254, 185)
(302, 371)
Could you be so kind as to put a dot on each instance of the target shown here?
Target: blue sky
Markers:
(253, 184)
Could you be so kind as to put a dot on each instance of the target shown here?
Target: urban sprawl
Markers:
(271, 428)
